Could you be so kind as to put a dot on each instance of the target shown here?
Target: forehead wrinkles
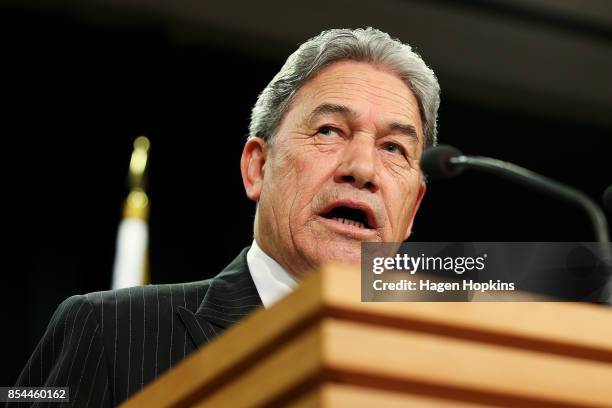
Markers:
(388, 90)
(374, 82)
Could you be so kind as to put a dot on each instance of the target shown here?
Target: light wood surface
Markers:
(339, 395)
(512, 354)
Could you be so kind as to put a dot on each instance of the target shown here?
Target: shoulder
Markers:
(154, 298)
(188, 295)
(113, 308)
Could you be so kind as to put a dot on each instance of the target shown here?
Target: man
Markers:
(332, 160)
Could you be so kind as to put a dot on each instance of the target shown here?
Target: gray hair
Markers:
(362, 45)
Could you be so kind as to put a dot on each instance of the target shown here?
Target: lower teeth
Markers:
(350, 222)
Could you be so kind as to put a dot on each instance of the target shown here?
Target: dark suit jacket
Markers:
(106, 346)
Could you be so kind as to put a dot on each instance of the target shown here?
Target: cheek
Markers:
(280, 171)
(311, 168)
(292, 182)
(403, 201)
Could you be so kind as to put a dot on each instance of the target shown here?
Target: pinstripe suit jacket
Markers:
(106, 346)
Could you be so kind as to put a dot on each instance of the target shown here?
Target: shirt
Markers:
(271, 280)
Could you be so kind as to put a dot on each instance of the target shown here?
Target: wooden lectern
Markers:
(322, 347)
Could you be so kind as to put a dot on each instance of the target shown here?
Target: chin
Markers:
(342, 252)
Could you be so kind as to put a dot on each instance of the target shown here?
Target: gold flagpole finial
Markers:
(139, 162)
(137, 203)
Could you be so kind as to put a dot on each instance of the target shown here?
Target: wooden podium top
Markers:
(321, 346)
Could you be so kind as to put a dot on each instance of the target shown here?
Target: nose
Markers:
(357, 164)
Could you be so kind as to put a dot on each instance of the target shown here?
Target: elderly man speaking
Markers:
(332, 160)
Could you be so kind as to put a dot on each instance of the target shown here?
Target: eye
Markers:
(328, 130)
(394, 148)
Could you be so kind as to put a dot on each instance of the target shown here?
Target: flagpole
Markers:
(131, 255)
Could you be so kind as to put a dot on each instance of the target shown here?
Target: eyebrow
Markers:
(404, 129)
(327, 108)
(332, 108)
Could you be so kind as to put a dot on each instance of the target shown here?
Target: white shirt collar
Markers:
(271, 280)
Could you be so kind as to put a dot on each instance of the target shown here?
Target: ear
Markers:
(252, 167)
(417, 204)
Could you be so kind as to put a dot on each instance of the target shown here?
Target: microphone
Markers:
(607, 199)
(445, 161)
(436, 162)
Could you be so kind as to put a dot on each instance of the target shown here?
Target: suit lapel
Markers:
(231, 296)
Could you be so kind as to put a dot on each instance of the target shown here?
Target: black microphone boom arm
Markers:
(543, 184)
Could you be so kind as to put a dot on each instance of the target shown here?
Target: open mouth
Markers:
(349, 216)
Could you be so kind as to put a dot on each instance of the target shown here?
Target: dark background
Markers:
(79, 82)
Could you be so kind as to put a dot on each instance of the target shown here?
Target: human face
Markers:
(348, 148)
